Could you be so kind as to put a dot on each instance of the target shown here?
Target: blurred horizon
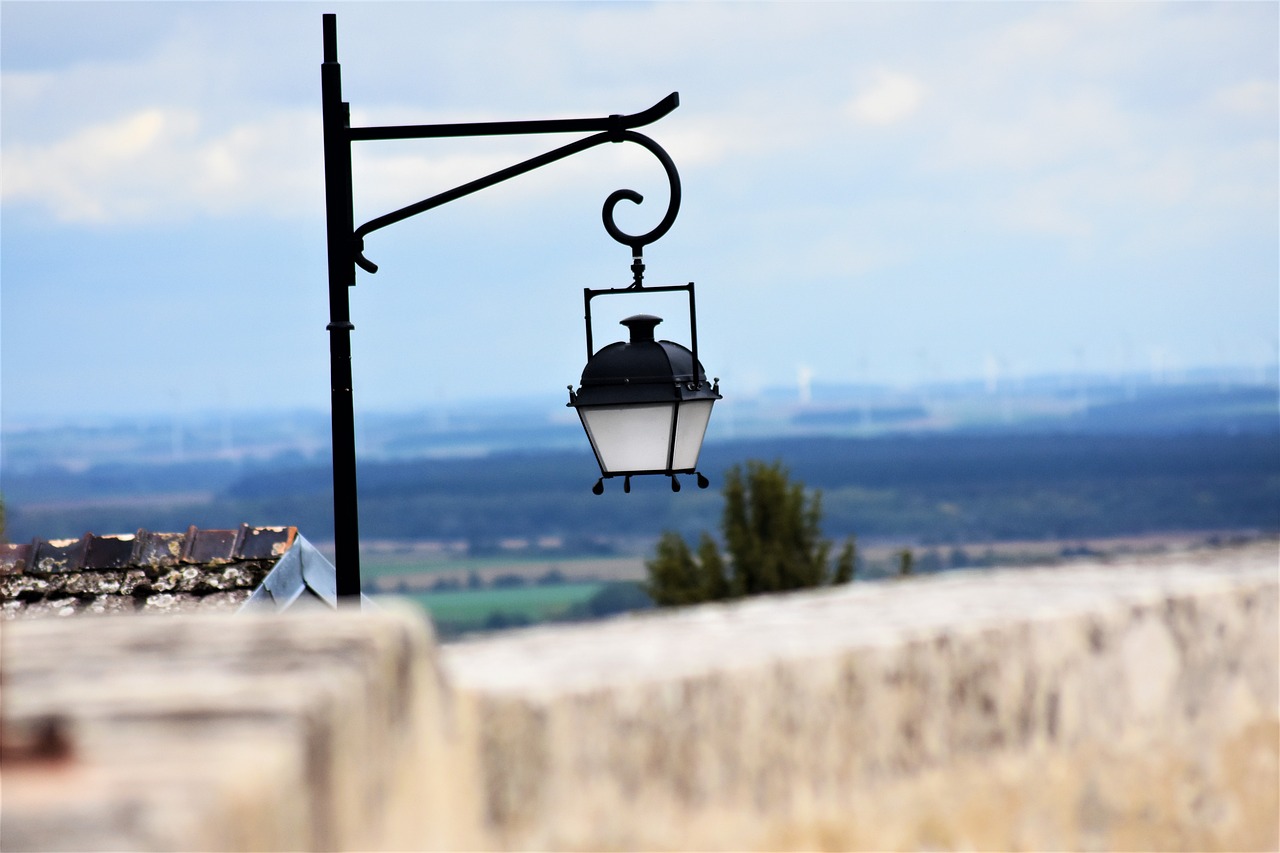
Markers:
(1214, 400)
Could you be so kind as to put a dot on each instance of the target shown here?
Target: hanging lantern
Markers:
(644, 403)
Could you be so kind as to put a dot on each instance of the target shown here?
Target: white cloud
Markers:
(98, 172)
(1249, 99)
(889, 98)
(159, 163)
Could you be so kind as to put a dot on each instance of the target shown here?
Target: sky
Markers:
(872, 192)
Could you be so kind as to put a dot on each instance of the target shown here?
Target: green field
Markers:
(382, 564)
(468, 610)
(396, 565)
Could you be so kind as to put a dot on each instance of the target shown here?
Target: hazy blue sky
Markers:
(880, 192)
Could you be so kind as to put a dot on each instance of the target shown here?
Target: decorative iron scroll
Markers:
(637, 243)
(618, 131)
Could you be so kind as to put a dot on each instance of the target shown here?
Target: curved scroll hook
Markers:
(638, 242)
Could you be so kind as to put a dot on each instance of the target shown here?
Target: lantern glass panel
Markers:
(690, 430)
(630, 437)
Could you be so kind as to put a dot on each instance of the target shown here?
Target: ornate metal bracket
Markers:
(618, 129)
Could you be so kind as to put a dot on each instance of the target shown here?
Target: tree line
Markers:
(938, 489)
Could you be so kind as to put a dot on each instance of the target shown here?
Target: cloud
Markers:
(158, 163)
(1253, 99)
(97, 173)
(890, 97)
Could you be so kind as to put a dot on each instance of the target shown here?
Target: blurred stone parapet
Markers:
(1132, 704)
(214, 732)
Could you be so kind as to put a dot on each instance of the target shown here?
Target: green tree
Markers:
(715, 582)
(847, 564)
(772, 533)
(674, 576)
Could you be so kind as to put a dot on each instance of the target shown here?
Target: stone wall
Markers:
(1132, 705)
(215, 732)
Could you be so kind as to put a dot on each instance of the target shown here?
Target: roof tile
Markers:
(14, 558)
(109, 552)
(262, 543)
(158, 550)
(210, 546)
(165, 572)
(57, 555)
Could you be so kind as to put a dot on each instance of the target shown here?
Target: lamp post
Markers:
(644, 404)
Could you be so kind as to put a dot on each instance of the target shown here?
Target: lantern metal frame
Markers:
(681, 389)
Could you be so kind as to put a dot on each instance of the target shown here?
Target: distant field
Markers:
(535, 603)
(407, 574)
(456, 612)
(415, 573)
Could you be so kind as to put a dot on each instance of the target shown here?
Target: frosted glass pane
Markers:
(630, 438)
(689, 432)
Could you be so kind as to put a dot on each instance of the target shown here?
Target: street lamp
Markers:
(644, 403)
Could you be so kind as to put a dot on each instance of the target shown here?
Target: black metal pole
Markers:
(339, 226)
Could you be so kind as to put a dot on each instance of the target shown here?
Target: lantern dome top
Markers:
(641, 326)
(643, 361)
